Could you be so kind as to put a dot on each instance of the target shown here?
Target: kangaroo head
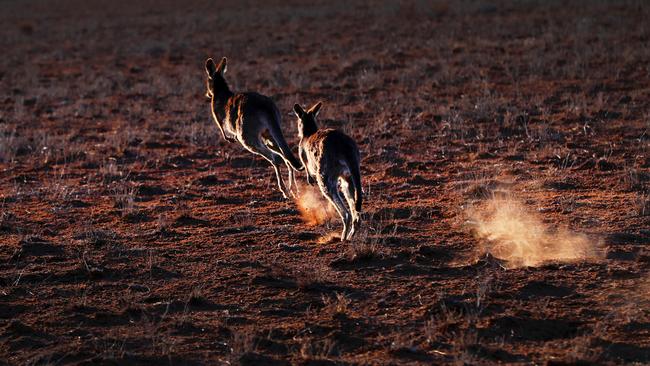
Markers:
(307, 120)
(216, 82)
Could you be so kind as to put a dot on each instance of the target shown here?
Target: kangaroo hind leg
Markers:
(269, 142)
(347, 188)
(275, 161)
(331, 190)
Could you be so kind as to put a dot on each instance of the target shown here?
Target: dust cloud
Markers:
(314, 208)
(511, 232)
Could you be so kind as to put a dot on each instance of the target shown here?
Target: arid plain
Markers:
(505, 162)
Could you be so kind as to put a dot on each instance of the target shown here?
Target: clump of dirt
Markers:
(510, 231)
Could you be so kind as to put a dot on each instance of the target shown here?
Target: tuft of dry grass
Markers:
(97, 237)
(58, 188)
(642, 203)
(369, 241)
(9, 143)
(336, 305)
(362, 250)
(318, 350)
(313, 277)
(241, 344)
(124, 198)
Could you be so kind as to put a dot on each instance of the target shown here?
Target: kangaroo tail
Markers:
(355, 174)
(278, 137)
(285, 149)
(352, 162)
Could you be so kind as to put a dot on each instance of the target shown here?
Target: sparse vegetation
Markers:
(132, 233)
(643, 204)
(124, 196)
(8, 143)
(336, 305)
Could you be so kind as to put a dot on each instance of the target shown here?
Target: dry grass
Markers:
(642, 203)
(461, 94)
(336, 306)
(9, 143)
(313, 277)
(369, 243)
(124, 198)
(242, 344)
(318, 350)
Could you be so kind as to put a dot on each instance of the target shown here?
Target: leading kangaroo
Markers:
(252, 119)
(331, 158)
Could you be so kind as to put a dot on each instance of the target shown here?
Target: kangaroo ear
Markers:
(210, 67)
(316, 109)
(297, 109)
(223, 66)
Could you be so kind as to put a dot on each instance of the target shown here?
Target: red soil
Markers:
(133, 234)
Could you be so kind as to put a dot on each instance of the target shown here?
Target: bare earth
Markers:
(131, 233)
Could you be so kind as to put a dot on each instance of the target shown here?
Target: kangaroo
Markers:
(331, 159)
(252, 119)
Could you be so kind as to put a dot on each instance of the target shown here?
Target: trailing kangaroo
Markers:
(331, 159)
(252, 119)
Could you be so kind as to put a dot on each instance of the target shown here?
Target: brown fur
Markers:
(331, 159)
(251, 119)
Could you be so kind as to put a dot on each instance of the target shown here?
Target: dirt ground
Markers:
(132, 234)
